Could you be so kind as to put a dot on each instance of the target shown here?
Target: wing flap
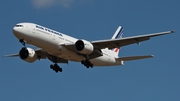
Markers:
(134, 58)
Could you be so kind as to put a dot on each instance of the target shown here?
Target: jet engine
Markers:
(28, 54)
(84, 47)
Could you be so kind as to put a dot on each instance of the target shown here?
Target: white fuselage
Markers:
(53, 41)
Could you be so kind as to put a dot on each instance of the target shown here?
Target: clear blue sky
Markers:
(156, 79)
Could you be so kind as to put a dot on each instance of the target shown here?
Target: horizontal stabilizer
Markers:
(134, 58)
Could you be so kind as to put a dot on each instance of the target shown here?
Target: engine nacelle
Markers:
(28, 54)
(84, 47)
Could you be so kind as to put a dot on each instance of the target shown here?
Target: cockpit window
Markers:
(19, 25)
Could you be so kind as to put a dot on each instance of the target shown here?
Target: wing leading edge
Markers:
(113, 43)
(42, 54)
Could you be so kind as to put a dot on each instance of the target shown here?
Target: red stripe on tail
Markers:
(116, 49)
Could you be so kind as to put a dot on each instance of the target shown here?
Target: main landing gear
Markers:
(87, 63)
(56, 68)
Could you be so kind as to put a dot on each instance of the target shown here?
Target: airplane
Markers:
(61, 48)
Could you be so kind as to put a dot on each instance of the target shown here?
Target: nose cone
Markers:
(14, 29)
(17, 31)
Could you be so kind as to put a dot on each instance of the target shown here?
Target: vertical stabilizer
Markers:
(117, 34)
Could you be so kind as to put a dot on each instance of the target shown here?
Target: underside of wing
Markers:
(95, 53)
(113, 43)
(43, 54)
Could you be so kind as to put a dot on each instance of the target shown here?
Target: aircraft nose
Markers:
(17, 31)
(14, 29)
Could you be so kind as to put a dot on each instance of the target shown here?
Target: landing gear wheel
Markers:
(91, 65)
(87, 63)
(87, 66)
(56, 68)
(60, 69)
(51, 66)
(56, 71)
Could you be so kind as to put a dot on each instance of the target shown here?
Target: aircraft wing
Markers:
(11, 55)
(42, 54)
(113, 43)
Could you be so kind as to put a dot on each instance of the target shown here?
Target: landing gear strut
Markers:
(56, 68)
(87, 63)
(22, 41)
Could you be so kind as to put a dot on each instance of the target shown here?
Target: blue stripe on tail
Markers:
(119, 35)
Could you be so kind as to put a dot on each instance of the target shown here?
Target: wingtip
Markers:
(4, 56)
(172, 31)
(152, 56)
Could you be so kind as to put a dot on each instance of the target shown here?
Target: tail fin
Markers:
(117, 34)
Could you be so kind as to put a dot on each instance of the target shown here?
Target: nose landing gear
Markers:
(22, 41)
